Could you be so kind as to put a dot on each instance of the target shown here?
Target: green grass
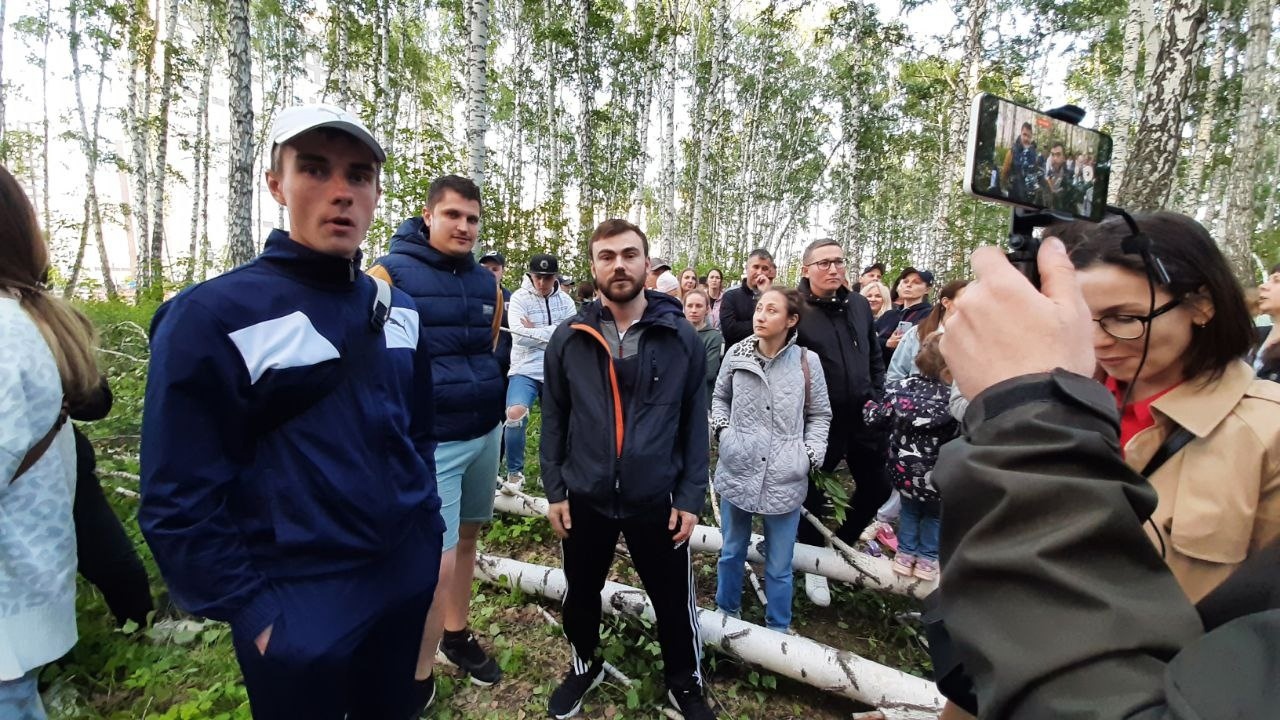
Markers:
(129, 674)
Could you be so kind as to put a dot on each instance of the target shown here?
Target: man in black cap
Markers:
(536, 309)
(871, 273)
(496, 263)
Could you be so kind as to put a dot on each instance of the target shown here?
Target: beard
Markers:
(621, 294)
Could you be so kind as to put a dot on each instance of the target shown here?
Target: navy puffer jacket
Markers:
(456, 299)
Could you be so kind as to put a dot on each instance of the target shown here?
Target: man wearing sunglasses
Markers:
(840, 328)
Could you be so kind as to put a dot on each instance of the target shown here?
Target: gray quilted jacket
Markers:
(768, 438)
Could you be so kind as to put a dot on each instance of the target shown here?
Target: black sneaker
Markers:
(463, 650)
(691, 704)
(566, 701)
(425, 694)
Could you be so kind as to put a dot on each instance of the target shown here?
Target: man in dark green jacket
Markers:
(1056, 602)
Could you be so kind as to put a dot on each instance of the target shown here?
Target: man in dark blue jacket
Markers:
(288, 479)
(461, 309)
(638, 373)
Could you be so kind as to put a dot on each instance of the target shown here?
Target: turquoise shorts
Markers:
(466, 478)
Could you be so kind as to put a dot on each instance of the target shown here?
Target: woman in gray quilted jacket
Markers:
(771, 414)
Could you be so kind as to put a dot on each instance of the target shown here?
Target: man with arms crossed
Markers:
(288, 479)
(633, 366)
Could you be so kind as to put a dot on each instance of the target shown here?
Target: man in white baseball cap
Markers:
(289, 483)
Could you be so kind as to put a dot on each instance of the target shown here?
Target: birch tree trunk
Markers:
(586, 100)
(200, 180)
(667, 106)
(3, 27)
(89, 138)
(477, 82)
(44, 115)
(155, 275)
(952, 161)
(1241, 222)
(1129, 98)
(899, 696)
(78, 265)
(240, 245)
(710, 118)
(1149, 174)
(1200, 150)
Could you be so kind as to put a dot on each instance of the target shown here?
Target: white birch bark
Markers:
(860, 570)
(952, 165)
(586, 106)
(1129, 97)
(200, 179)
(240, 244)
(1153, 153)
(155, 275)
(1200, 150)
(667, 108)
(137, 121)
(477, 86)
(89, 139)
(1241, 223)
(707, 132)
(896, 694)
(44, 115)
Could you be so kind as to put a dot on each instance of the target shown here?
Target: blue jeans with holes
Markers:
(521, 390)
(20, 698)
(779, 548)
(918, 527)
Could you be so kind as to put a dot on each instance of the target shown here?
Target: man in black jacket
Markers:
(1056, 602)
(840, 328)
(738, 304)
(638, 373)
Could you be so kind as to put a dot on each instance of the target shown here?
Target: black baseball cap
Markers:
(544, 264)
(494, 256)
(873, 266)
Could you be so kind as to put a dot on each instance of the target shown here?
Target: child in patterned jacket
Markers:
(919, 423)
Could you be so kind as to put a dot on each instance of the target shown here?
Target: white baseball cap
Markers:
(294, 121)
(668, 283)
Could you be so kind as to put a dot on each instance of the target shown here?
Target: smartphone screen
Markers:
(1021, 156)
(903, 327)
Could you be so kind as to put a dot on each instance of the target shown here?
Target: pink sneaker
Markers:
(903, 564)
(887, 537)
(926, 569)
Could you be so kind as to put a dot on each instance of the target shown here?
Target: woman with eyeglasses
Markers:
(1176, 362)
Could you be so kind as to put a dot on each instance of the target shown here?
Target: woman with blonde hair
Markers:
(47, 364)
(878, 296)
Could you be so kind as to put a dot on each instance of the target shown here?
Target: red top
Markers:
(1137, 416)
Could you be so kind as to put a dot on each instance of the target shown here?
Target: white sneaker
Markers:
(515, 478)
(815, 586)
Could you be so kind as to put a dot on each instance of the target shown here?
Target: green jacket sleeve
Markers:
(1057, 603)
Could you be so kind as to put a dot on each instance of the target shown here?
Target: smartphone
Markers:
(903, 327)
(1020, 156)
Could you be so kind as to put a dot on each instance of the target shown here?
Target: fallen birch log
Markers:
(860, 569)
(897, 695)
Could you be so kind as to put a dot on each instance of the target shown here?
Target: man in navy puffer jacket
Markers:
(461, 310)
(288, 473)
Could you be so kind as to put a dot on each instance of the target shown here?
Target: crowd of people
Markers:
(321, 440)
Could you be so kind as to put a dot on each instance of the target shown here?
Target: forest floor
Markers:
(190, 671)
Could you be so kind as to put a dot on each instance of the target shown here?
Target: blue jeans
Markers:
(918, 526)
(20, 699)
(521, 390)
(779, 547)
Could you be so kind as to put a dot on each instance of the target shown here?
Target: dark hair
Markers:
(718, 271)
(929, 360)
(329, 134)
(934, 319)
(1026, 126)
(585, 291)
(908, 270)
(1058, 145)
(465, 188)
(614, 227)
(699, 291)
(758, 253)
(819, 243)
(1274, 269)
(796, 304)
(1194, 263)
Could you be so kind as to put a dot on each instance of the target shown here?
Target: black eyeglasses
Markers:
(1132, 327)
(825, 265)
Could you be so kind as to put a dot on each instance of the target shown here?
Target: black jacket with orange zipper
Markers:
(626, 450)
